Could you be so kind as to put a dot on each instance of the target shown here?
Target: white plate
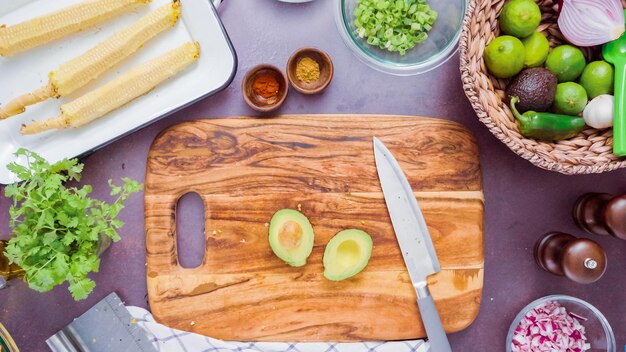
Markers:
(29, 70)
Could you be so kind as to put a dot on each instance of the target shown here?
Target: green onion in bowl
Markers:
(394, 25)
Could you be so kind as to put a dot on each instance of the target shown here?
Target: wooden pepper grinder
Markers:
(579, 259)
(601, 214)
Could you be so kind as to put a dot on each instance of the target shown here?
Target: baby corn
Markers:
(44, 29)
(120, 91)
(88, 67)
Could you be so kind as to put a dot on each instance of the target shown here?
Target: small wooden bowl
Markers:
(326, 70)
(258, 102)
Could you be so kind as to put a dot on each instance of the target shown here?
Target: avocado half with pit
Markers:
(346, 254)
(291, 236)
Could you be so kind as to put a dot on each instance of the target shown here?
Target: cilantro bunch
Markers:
(394, 25)
(58, 229)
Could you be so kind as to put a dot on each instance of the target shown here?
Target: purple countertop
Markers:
(521, 201)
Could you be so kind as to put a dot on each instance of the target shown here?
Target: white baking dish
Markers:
(28, 71)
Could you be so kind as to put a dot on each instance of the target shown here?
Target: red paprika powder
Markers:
(266, 86)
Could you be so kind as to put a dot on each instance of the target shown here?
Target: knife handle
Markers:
(434, 329)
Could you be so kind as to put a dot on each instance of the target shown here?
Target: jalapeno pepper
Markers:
(546, 126)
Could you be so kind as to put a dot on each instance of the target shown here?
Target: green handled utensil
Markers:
(615, 53)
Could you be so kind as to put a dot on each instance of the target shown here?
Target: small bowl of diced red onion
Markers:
(560, 323)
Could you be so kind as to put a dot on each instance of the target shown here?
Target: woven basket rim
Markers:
(471, 92)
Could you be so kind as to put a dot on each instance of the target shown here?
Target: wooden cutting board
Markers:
(245, 169)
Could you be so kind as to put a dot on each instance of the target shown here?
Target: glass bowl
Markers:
(440, 45)
(597, 328)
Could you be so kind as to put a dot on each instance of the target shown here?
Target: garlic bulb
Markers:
(599, 112)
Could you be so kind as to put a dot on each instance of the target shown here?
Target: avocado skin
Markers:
(535, 88)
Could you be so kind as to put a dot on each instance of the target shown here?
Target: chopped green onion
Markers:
(394, 25)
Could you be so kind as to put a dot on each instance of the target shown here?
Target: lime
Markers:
(570, 98)
(597, 78)
(566, 62)
(504, 56)
(537, 49)
(520, 18)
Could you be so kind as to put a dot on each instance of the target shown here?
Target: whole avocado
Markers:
(535, 88)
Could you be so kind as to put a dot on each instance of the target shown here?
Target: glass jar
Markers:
(7, 271)
(10, 271)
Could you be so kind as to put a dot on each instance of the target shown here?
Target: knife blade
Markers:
(414, 240)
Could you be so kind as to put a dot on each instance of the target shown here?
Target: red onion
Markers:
(549, 327)
(591, 22)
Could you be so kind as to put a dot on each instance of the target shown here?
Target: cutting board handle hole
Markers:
(190, 230)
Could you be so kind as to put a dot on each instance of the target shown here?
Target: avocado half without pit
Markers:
(291, 236)
(346, 254)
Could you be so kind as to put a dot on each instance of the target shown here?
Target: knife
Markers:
(414, 240)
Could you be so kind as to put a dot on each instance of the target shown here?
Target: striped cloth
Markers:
(166, 339)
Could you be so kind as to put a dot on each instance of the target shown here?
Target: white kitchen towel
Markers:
(171, 340)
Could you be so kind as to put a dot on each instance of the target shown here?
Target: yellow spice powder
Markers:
(307, 70)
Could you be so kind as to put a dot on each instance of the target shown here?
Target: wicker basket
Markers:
(589, 152)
